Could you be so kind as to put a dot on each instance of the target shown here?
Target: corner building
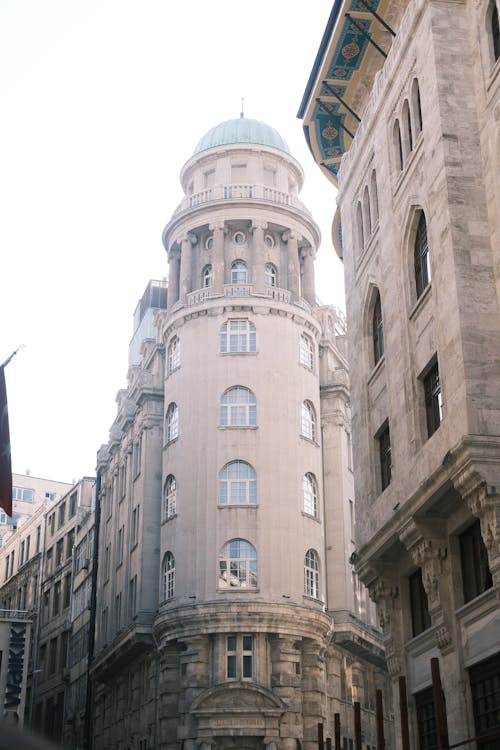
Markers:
(227, 607)
(403, 115)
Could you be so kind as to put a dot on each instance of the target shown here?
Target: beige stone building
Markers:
(402, 112)
(228, 614)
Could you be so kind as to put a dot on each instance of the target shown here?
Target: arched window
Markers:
(310, 495)
(174, 354)
(421, 255)
(359, 222)
(367, 215)
(238, 336)
(270, 275)
(308, 420)
(407, 128)
(168, 576)
(170, 498)
(238, 407)
(239, 272)
(311, 574)
(495, 31)
(238, 484)
(378, 329)
(416, 107)
(206, 276)
(238, 565)
(374, 197)
(398, 146)
(306, 351)
(172, 422)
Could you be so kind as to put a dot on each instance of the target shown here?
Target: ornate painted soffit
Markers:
(328, 108)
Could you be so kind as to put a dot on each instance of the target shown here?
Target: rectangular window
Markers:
(476, 574)
(134, 532)
(48, 562)
(38, 537)
(62, 514)
(59, 551)
(46, 605)
(485, 689)
(132, 597)
(52, 523)
(433, 399)
(67, 591)
(107, 557)
(52, 655)
(23, 494)
(385, 455)
(426, 720)
(119, 547)
(239, 657)
(63, 651)
(122, 480)
(73, 504)
(420, 617)
(28, 540)
(57, 598)
(21, 554)
(70, 540)
(138, 456)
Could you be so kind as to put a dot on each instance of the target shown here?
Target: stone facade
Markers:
(226, 611)
(419, 219)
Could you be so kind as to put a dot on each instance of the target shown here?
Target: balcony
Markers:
(243, 192)
(239, 290)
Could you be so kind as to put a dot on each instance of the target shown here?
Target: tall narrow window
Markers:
(306, 351)
(420, 617)
(433, 399)
(367, 214)
(238, 484)
(408, 128)
(374, 197)
(170, 498)
(495, 31)
(485, 689)
(206, 279)
(385, 455)
(421, 255)
(168, 583)
(416, 106)
(174, 354)
(238, 408)
(398, 146)
(239, 657)
(310, 495)
(359, 222)
(476, 574)
(270, 275)
(238, 336)
(172, 422)
(239, 273)
(426, 720)
(311, 574)
(378, 329)
(238, 565)
(308, 421)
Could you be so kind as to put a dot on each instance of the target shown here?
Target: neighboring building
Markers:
(409, 129)
(226, 614)
(57, 605)
(28, 493)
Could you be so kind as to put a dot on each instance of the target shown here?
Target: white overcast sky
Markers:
(102, 102)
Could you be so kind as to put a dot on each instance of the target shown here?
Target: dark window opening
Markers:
(420, 618)
(476, 574)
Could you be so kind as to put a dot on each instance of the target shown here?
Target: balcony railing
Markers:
(240, 290)
(240, 192)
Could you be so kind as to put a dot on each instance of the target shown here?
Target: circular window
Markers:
(209, 243)
(239, 238)
(269, 240)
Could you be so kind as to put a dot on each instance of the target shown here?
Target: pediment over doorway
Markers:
(235, 697)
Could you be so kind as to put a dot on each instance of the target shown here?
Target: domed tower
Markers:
(241, 621)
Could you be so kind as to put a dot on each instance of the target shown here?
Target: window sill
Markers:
(237, 505)
(238, 590)
(377, 368)
(238, 427)
(422, 300)
(309, 440)
(169, 518)
(134, 546)
(305, 514)
(170, 442)
(237, 354)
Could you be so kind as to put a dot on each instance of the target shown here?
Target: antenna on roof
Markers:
(242, 114)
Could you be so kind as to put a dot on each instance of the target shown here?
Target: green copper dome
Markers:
(242, 130)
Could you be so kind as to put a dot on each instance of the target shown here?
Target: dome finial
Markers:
(242, 114)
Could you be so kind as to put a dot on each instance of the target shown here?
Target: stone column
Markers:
(313, 690)
(286, 683)
(307, 260)
(218, 265)
(293, 280)
(258, 257)
(173, 277)
(187, 243)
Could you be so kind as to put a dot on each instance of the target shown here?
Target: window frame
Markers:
(168, 577)
(310, 497)
(306, 352)
(474, 563)
(207, 276)
(308, 421)
(311, 574)
(240, 649)
(377, 329)
(243, 571)
(239, 272)
(171, 423)
(170, 498)
(230, 486)
(421, 257)
(270, 275)
(383, 438)
(419, 605)
(174, 354)
(238, 336)
(240, 413)
(433, 397)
